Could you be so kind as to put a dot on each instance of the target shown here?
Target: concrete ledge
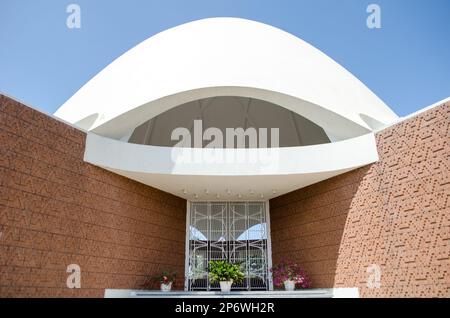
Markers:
(311, 293)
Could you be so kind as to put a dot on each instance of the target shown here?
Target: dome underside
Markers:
(231, 112)
(194, 60)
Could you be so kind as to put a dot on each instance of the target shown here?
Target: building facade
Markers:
(355, 195)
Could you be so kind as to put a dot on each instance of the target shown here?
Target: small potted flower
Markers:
(225, 273)
(289, 274)
(166, 279)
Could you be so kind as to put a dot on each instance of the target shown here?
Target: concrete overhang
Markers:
(227, 57)
(230, 174)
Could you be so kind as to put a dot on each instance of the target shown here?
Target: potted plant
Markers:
(225, 273)
(166, 279)
(289, 274)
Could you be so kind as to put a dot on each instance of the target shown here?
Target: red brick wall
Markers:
(57, 210)
(394, 214)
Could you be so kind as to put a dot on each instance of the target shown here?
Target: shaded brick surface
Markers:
(394, 214)
(57, 210)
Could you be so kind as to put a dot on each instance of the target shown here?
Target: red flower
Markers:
(289, 270)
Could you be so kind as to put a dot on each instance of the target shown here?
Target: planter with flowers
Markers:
(225, 273)
(166, 280)
(290, 275)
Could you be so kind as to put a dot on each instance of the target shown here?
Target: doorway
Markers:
(233, 231)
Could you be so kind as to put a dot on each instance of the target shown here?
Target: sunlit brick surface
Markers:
(57, 210)
(395, 214)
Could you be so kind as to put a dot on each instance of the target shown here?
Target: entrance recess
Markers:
(234, 231)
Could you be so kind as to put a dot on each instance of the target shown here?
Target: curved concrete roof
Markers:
(215, 58)
(225, 57)
(230, 174)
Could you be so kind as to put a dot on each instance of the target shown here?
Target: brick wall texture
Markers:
(57, 210)
(393, 215)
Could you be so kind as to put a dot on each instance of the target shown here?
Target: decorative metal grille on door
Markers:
(235, 231)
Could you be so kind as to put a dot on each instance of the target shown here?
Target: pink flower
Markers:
(289, 270)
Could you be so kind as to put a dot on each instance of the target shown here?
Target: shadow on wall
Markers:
(383, 228)
(137, 232)
(308, 225)
(58, 212)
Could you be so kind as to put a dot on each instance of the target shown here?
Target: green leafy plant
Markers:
(220, 271)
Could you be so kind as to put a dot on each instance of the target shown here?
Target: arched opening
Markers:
(231, 112)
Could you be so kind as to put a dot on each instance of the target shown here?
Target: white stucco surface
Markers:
(233, 174)
(226, 57)
(223, 57)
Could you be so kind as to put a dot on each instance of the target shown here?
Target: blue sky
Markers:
(406, 62)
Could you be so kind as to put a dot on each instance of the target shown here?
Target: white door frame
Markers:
(268, 251)
(186, 249)
(269, 245)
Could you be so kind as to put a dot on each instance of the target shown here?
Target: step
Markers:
(309, 293)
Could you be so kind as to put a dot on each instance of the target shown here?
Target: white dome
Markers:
(225, 57)
(224, 62)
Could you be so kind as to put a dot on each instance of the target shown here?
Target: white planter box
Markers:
(225, 286)
(289, 285)
(166, 287)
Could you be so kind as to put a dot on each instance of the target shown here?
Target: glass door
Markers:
(235, 231)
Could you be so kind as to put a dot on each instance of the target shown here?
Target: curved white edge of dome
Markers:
(336, 126)
(286, 169)
(222, 52)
